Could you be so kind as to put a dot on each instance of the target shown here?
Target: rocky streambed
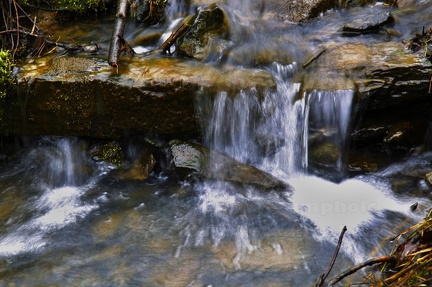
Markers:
(153, 94)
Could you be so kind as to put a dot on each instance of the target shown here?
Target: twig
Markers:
(323, 277)
(314, 58)
(17, 26)
(29, 17)
(357, 267)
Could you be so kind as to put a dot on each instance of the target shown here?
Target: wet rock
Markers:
(188, 158)
(362, 163)
(405, 135)
(149, 95)
(428, 178)
(191, 158)
(268, 146)
(371, 23)
(65, 66)
(299, 10)
(384, 74)
(326, 154)
(110, 152)
(146, 39)
(210, 23)
(140, 168)
(391, 84)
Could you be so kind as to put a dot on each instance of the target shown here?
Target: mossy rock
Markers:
(210, 22)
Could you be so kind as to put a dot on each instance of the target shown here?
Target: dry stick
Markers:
(357, 267)
(115, 46)
(314, 58)
(17, 27)
(325, 275)
(28, 17)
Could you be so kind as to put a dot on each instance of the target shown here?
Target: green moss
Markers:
(6, 79)
(112, 153)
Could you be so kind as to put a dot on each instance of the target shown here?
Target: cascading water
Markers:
(59, 167)
(326, 126)
(278, 133)
(66, 221)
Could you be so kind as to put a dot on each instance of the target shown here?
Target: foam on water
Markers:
(55, 209)
(353, 203)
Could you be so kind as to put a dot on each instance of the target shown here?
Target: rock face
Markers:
(85, 97)
(393, 102)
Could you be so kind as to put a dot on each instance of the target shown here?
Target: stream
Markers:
(66, 220)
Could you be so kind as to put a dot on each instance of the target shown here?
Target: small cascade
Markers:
(233, 121)
(53, 210)
(261, 130)
(61, 173)
(58, 162)
(283, 133)
(326, 124)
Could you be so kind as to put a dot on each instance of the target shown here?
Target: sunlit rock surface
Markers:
(86, 97)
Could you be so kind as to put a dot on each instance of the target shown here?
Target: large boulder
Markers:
(73, 96)
(191, 158)
(209, 23)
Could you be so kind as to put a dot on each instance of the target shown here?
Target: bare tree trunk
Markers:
(117, 36)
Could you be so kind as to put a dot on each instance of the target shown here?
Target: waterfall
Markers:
(59, 162)
(62, 174)
(326, 124)
(280, 131)
(270, 131)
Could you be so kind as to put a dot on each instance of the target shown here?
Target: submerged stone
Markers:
(370, 23)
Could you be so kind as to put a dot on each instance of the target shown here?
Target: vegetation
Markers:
(71, 5)
(412, 259)
(409, 264)
(6, 79)
(112, 152)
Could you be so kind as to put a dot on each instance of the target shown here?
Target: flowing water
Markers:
(66, 220)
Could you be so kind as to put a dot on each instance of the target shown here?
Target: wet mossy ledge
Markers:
(79, 96)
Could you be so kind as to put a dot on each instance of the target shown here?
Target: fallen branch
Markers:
(323, 277)
(357, 267)
(187, 23)
(116, 42)
(314, 58)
